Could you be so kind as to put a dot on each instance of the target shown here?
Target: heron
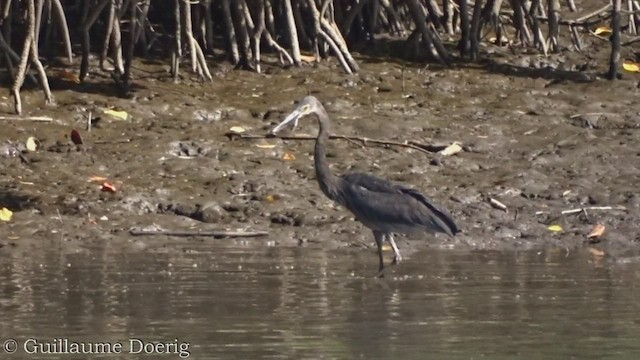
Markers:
(380, 205)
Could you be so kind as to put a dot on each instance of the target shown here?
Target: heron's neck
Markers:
(328, 182)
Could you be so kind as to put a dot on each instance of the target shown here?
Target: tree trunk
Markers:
(293, 33)
(232, 54)
(615, 40)
(419, 19)
(554, 11)
(24, 57)
(475, 31)
(240, 25)
(465, 39)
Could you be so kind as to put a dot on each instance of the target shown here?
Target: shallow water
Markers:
(264, 302)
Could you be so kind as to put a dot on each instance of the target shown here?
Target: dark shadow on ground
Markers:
(545, 72)
(15, 201)
(398, 51)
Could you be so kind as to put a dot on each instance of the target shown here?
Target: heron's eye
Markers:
(304, 108)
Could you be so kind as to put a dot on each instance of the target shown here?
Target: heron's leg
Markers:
(396, 253)
(379, 240)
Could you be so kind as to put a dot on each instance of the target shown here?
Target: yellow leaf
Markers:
(271, 198)
(266, 146)
(555, 228)
(289, 156)
(603, 30)
(32, 144)
(237, 129)
(386, 247)
(5, 214)
(631, 66)
(452, 149)
(122, 115)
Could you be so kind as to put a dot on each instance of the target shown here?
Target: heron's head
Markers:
(308, 105)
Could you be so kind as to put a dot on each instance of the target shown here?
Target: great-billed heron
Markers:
(382, 206)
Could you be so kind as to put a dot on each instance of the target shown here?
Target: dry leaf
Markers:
(32, 144)
(97, 179)
(596, 232)
(266, 146)
(75, 137)
(5, 214)
(122, 115)
(271, 198)
(108, 187)
(555, 228)
(451, 149)
(386, 247)
(237, 129)
(631, 66)
(603, 30)
(67, 75)
(308, 58)
(289, 156)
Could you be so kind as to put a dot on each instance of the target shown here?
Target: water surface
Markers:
(237, 302)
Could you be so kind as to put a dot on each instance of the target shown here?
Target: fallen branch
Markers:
(407, 144)
(185, 233)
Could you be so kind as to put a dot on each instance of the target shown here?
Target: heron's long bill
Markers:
(293, 117)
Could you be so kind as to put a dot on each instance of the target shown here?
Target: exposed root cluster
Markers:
(246, 28)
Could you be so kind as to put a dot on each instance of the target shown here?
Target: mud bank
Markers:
(540, 143)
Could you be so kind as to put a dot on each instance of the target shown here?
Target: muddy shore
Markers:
(538, 140)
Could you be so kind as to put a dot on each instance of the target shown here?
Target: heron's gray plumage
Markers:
(382, 206)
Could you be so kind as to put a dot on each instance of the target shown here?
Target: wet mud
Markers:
(541, 137)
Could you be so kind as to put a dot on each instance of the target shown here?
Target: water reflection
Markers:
(237, 302)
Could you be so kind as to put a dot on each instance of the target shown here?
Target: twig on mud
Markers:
(590, 114)
(182, 233)
(102, 142)
(498, 205)
(584, 209)
(408, 144)
(27, 118)
(61, 229)
(631, 41)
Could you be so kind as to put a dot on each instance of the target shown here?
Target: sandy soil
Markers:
(538, 136)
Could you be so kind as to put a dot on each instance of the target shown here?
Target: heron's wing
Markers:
(439, 211)
(371, 183)
(398, 210)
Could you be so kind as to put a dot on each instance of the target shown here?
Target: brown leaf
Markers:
(76, 138)
(67, 75)
(108, 187)
(596, 232)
